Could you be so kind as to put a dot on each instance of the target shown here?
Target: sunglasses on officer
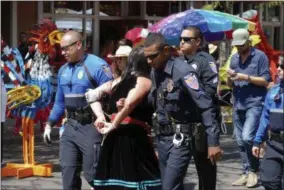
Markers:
(66, 48)
(280, 65)
(153, 56)
(186, 39)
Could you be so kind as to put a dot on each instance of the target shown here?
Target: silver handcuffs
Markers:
(178, 137)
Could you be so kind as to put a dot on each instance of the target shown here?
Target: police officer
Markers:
(191, 40)
(271, 168)
(175, 89)
(80, 141)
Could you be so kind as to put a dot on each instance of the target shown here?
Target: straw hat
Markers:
(122, 51)
(212, 48)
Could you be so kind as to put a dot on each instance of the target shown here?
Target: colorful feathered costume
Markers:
(44, 53)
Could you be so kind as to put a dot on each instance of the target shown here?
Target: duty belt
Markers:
(278, 137)
(168, 130)
(82, 116)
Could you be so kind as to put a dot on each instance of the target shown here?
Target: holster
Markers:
(83, 115)
(199, 137)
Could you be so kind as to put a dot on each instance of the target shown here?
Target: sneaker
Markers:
(241, 181)
(252, 180)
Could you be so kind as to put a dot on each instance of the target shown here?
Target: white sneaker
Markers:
(241, 181)
(252, 180)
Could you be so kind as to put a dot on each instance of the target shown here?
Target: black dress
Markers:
(127, 158)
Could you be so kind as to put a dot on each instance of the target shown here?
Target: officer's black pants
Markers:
(207, 172)
(271, 167)
(173, 162)
(79, 144)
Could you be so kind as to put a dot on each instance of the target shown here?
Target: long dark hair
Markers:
(137, 64)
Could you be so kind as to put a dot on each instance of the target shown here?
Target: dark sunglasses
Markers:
(153, 56)
(241, 45)
(186, 39)
(280, 65)
(67, 47)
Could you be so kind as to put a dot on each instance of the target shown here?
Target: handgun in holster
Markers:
(199, 137)
(155, 124)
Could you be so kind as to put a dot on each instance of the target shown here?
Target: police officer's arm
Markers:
(264, 74)
(205, 105)
(102, 74)
(264, 122)
(96, 94)
(209, 77)
(59, 107)
(134, 97)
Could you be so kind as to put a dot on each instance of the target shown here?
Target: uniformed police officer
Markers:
(191, 41)
(175, 89)
(80, 141)
(271, 168)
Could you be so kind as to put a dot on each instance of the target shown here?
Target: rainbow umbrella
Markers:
(212, 24)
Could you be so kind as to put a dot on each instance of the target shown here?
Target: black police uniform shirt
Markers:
(177, 93)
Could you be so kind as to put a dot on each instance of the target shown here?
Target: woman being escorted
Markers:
(127, 159)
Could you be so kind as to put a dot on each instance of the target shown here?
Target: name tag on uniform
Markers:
(276, 119)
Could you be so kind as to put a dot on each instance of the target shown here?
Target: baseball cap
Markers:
(240, 36)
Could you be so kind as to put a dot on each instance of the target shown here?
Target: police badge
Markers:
(170, 85)
(80, 74)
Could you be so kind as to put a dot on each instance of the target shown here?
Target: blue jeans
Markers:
(246, 123)
(173, 162)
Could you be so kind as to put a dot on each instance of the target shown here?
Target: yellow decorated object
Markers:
(55, 37)
(19, 96)
(23, 95)
(29, 167)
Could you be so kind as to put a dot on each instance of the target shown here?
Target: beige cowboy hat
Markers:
(122, 51)
(212, 48)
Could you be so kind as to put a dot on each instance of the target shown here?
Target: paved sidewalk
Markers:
(228, 168)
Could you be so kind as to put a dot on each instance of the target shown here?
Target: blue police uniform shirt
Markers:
(73, 83)
(272, 114)
(178, 95)
(245, 94)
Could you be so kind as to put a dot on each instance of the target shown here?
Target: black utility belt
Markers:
(168, 130)
(82, 118)
(278, 137)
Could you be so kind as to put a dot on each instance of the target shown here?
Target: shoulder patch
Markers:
(107, 70)
(194, 66)
(191, 81)
(213, 67)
